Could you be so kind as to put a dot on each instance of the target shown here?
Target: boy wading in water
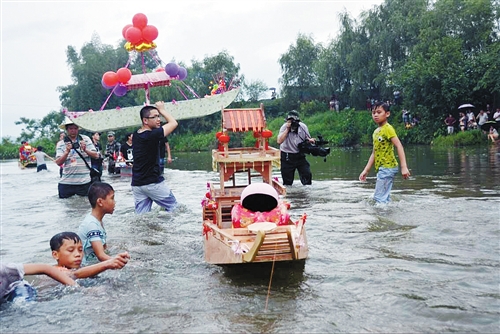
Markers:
(386, 165)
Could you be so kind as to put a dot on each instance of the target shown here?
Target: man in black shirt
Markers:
(148, 185)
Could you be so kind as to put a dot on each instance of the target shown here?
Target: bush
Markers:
(466, 138)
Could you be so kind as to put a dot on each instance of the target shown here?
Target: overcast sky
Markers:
(35, 35)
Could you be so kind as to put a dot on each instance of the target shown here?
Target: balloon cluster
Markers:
(117, 80)
(139, 34)
(176, 71)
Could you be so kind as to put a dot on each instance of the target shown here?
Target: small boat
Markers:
(245, 218)
(28, 160)
(29, 163)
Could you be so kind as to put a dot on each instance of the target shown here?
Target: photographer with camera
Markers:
(75, 179)
(291, 135)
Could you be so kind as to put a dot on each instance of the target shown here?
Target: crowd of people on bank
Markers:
(485, 120)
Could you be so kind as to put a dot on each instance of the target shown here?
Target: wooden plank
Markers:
(252, 253)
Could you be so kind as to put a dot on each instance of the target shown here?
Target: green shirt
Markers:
(383, 147)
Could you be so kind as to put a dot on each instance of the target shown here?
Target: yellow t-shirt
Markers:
(383, 147)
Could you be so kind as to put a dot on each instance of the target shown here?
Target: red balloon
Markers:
(140, 20)
(110, 78)
(133, 35)
(124, 30)
(149, 33)
(123, 75)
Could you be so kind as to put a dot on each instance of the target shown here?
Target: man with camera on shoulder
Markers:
(292, 133)
(75, 179)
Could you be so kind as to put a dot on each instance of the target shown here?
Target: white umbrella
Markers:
(467, 105)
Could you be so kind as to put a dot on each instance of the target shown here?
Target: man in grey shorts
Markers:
(148, 185)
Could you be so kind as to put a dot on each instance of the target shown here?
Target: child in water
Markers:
(67, 250)
(91, 231)
(386, 165)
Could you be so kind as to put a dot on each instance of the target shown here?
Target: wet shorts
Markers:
(160, 193)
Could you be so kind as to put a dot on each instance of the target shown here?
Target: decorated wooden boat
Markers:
(245, 215)
(29, 163)
(28, 160)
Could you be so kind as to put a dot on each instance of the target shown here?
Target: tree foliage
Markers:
(437, 53)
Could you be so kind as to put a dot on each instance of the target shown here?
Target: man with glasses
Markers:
(148, 185)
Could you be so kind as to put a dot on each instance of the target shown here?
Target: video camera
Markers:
(315, 149)
(75, 145)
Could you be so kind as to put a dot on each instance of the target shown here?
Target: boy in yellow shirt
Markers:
(386, 165)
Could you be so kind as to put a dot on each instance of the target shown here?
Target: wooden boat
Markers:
(30, 163)
(239, 169)
(29, 160)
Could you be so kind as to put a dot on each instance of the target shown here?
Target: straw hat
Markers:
(66, 122)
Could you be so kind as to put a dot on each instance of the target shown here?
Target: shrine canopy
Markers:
(244, 120)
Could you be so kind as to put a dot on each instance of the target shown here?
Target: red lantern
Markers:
(267, 133)
(110, 79)
(149, 33)
(256, 134)
(218, 134)
(224, 138)
(123, 75)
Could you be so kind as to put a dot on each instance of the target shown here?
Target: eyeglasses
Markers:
(153, 117)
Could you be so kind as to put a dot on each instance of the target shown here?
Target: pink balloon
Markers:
(140, 20)
(149, 33)
(182, 73)
(133, 35)
(124, 30)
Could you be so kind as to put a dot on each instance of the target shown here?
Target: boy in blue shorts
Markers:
(102, 200)
(386, 165)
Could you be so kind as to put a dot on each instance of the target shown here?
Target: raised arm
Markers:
(171, 124)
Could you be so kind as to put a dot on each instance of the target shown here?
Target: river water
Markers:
(427, 262)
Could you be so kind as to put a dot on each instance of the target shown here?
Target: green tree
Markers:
(255, 89)
(47, 127)
(299, 79)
